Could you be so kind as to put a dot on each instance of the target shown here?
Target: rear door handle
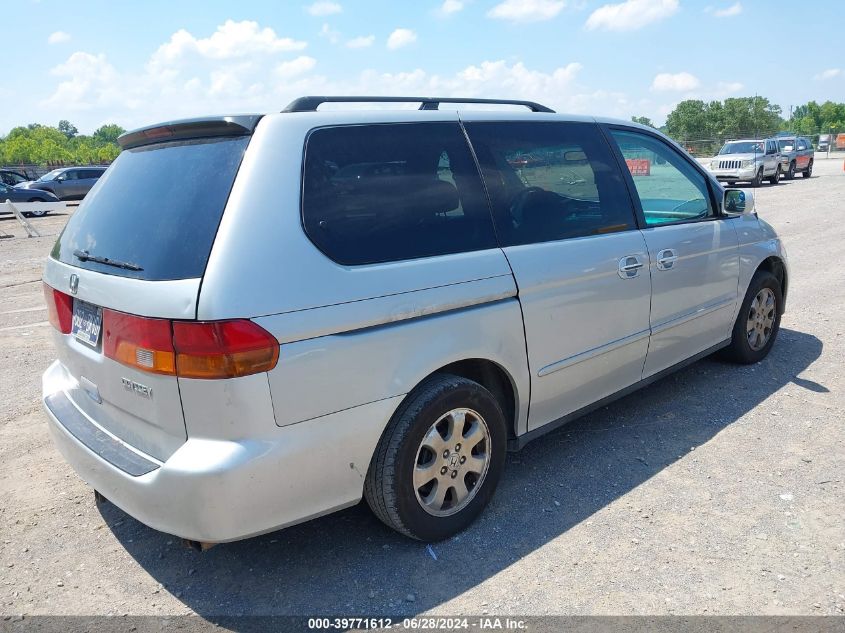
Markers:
(629, 267)
(666, 259)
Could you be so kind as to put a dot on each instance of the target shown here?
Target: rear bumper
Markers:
(223, 490)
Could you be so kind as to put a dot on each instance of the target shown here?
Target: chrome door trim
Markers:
(666, 259)
(593, 353)
(629, 267)
(685, 318)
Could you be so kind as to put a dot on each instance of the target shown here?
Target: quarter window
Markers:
(669, 188)
(550, 181)
(389, 192)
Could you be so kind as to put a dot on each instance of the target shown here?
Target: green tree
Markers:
(643, 120)
(108, 133)
(67, 128)
(42, 144)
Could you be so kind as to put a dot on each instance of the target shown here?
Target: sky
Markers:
(136, 63)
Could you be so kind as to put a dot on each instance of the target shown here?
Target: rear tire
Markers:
(758, 322)
(37, 214)
(430, 495)
(809, 171)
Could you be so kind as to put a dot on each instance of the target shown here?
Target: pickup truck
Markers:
(796, 154)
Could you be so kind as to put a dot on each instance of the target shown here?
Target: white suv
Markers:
(259, 319)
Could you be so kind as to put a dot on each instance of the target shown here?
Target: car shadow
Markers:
(349, 563)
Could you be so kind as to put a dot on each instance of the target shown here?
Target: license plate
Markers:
(87, 322)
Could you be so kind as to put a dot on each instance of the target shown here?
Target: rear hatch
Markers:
(128, 267)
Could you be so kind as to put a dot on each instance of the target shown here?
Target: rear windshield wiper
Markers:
(85, 256)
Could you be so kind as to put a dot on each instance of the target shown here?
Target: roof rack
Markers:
(310, 104)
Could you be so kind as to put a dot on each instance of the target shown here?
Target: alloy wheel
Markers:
(452, 462)
(761, 319)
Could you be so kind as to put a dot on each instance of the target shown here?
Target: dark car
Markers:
(11, 177)
(16, 194)
(796, 154)
(67, 183)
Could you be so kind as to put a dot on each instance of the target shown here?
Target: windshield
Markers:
(157, 208)
(786, 144)
(50, 175)
(743, 147)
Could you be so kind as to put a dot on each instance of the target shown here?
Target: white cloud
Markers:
(729, 12)
(830, 73)
(332, 35)
(361, 42)
(322, 8)
(678, 82)
(58, 37)
(231, 40)
(450, 7)
(296, 67)
(630, 15)
(526, 10)
(400, 38)
(194, 74)
(724, 88)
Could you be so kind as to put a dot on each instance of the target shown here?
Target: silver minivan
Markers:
(261, 319)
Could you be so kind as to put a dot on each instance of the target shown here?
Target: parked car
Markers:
(280, 339)
(796, 154)
(11, 177)
(825, 142)
(840, 141)
(748, 160)
(67, 183)
(13, 194)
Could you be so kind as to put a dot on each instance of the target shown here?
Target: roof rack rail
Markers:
(310, 104)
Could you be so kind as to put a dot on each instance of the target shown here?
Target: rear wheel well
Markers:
(493, 378)
(774, 265)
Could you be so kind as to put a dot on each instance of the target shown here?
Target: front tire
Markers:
(809, 171)
(758, 179)
(773, 180)
(758, 322)
(37, 214)
(439, 460)
(790, 172)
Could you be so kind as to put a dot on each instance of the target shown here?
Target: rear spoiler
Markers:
(238, 125)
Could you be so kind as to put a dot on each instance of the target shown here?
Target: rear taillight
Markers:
(223, 349)
(59, 309)
(189, 349)
(139, 342)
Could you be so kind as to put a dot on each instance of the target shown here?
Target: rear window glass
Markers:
(389, 192)
(157, 209)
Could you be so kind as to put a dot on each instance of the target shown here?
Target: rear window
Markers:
(157, 209)
(389, 192)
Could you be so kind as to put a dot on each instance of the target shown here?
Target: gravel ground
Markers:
(718, 490)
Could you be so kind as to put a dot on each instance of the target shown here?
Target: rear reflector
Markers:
(59, 309)
(189, 349)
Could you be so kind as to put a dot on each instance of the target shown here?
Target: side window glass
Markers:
(550, 181)
(390, 192)
(802, 144)
(669, 188)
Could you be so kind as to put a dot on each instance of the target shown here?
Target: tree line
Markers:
(692, 120)
(37, 144)
(697, 120)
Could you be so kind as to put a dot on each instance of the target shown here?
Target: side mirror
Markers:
(738, 202)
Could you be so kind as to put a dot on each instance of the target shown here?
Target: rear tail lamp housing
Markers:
(59, 309)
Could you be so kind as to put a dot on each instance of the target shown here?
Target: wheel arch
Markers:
(776, 267)
(493, 377)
